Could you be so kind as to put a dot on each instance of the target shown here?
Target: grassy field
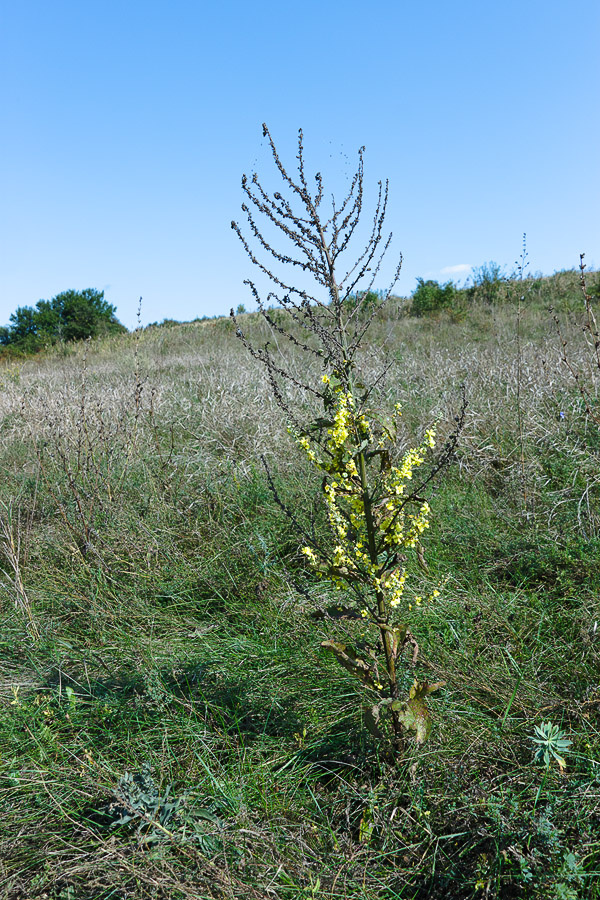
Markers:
(169, 725)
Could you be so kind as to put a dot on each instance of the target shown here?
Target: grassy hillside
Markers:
(169, 725)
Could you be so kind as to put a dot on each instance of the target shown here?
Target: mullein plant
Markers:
(373, 495)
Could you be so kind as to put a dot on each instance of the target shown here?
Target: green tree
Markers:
(22, 330)
(70, 316)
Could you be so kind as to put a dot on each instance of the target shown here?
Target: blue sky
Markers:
(126, 128)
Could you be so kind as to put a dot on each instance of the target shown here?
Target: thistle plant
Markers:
(374, 500)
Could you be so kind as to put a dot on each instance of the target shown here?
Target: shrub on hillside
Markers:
(431, 296)
(365, 301)
(489, 281)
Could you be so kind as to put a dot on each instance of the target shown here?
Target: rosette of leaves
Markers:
(155, 815)
(551, 743)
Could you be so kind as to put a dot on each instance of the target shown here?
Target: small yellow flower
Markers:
(430, 438)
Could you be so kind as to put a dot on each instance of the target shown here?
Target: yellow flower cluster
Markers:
(371, 523)
(430, 597)
(343, 421)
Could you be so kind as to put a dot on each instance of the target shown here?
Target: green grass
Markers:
(176, 732)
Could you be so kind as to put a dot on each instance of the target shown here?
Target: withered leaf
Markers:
(348, 658)
(413, 713)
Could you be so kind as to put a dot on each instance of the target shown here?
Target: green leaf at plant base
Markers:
(367, 824)
(371, 716)
(413, 713)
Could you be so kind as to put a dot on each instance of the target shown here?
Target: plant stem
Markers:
(386, 637)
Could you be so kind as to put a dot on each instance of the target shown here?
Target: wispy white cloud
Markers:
(460, 269)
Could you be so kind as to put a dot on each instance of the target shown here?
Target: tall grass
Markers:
(171, 637)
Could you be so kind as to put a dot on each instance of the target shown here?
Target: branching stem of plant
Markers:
(375, 520)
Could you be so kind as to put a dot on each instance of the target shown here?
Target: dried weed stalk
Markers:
(84, 461)
(12, 529)
(589, 327)
(587, 386)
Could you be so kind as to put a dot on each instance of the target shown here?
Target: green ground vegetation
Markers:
(170, 726)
